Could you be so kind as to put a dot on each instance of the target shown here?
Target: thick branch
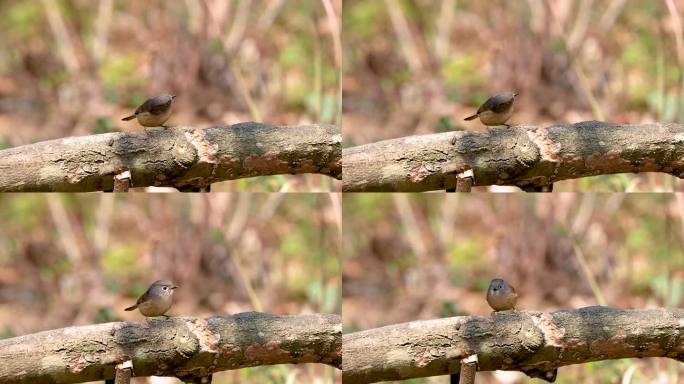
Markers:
(523, 156)
(184, 347)
(184, 158)
(532, 342)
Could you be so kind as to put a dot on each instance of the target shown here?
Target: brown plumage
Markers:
(496, 110)
(501, 296)
(156, 300)
(154, 112)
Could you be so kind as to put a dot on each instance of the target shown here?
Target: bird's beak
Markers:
(515, 94)
(173, 96)
(174, 287)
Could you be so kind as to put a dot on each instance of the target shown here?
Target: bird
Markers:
(157, 300)
(154, 112)
(496, 110)
(501, 296)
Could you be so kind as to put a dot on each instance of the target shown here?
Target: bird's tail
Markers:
(131, 117)
(473, 117)
(131, 308)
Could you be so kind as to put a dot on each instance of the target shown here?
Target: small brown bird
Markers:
(154, 112)
(501, 296)
(156, 300)
(496, 110)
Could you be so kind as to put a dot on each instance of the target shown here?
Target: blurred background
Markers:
(77, 67)
(413, 257)
(421, 66)
(81, 259)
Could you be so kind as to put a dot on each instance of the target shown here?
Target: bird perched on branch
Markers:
(156, 300)
(501, 296)
(496, 110)
(154, 111)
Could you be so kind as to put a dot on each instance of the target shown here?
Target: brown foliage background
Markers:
(421, 66)
(81, 259)
(76, 67)
(414, 257)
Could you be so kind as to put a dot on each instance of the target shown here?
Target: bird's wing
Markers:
(498, 103)
(157, 105)
(502, 107)
(142, 108)
(143, 298)
(488, 105)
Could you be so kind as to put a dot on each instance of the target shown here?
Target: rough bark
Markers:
(533, 342)
(523, 156)
(183, 347)
(185, 158)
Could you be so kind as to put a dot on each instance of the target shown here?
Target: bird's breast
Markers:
(155, 307)
(492, 118)
(147, 119)
(502, 301)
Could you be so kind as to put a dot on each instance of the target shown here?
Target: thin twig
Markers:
(444, 25)
(124, 372)
(464, 181)
(409, 222)
(406, 41)
(468, 370)
(102, 23)
(269, 15)
(242, 85)
(593, 284)
(334, 25)
(59, 30)
(235, 36)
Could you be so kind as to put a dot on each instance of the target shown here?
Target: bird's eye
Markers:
(165, 288)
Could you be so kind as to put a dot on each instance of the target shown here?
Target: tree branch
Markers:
(184, 347)
(184, 158)
(523, 156)
(533, 342)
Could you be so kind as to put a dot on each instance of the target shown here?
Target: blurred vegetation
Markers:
(425, 256)
(76, 67)
(420, 66)
(80, 259)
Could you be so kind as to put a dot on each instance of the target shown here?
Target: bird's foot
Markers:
(502, 311)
